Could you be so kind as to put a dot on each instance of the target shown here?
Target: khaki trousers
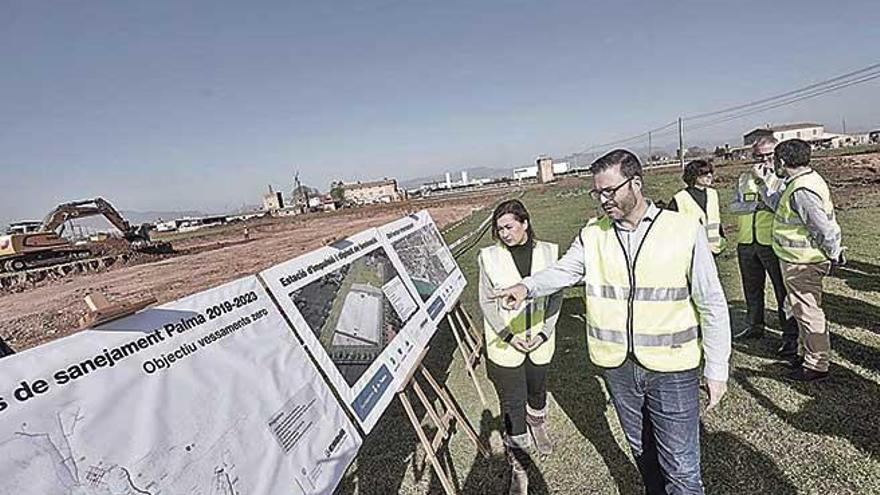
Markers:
(804, 285)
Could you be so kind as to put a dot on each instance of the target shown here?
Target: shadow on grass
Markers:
(574, 383)
(860, 275)
(855, 352)
(732, 466)
(393, 447)
(851, 312)
(845, 405)
(490, 476)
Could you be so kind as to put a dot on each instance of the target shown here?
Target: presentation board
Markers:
(209, 394)
(427, 260)
(358, 315)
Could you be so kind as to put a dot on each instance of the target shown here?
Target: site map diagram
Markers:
(53, 455)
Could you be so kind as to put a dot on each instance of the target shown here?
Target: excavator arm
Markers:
(88, 208)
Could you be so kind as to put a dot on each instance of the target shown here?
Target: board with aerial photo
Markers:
(427, 260)
(352, 308)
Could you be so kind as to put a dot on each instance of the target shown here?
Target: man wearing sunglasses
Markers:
(650, 286)
(754, 249)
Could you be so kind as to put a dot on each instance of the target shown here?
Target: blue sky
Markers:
(199, 105)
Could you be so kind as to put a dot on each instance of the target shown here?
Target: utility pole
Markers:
(649, 147)
(844, 124)
(680, 144)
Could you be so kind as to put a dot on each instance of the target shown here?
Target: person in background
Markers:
(700, 199)
(650, 283)
(754, 250)
(519, 343)
(807, 241)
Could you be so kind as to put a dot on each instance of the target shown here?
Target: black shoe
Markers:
(787, 350)
(749, 333)
(794, 362)
(807, 375)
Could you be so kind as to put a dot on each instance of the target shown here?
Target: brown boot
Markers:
(516, 450)
(537, 421)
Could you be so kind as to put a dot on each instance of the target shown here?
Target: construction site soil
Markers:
(205, 259)
(51, 309)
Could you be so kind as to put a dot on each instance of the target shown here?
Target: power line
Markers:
(783, 95)
(859, 76)
(786, 102)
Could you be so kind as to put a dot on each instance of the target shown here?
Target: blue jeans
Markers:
(660, 416)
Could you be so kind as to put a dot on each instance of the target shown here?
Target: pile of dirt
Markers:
(854, 180)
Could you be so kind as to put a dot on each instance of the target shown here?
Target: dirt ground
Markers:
(207, 259)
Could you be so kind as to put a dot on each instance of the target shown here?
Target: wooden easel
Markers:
(442, 415)
(470, 343)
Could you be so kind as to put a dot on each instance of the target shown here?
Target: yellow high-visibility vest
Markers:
(500, 268)
(757, 225)
(645, 311)
(710, 219)
(792, 242)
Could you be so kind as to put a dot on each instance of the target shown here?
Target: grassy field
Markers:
(767, 436)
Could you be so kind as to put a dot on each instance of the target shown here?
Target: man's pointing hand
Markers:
(511, 298)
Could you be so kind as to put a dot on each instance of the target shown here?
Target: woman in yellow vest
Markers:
(519, 343)
(700, 199)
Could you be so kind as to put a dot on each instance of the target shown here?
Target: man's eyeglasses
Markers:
(609, 192)
(763, 157)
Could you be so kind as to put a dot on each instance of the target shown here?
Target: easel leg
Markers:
(452, 407)
(466, 355)
(429, 450)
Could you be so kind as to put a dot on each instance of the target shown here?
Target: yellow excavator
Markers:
(46, 246)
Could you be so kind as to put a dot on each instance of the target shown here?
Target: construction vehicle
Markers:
(46, 246)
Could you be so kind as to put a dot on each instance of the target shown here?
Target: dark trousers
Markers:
(660, 416)
(527, 383)
(755, 263)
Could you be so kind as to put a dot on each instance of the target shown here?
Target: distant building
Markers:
(378, 191)
(805, 131)
(273, 200)
(545, 169)
(532, 172)
(24, 227)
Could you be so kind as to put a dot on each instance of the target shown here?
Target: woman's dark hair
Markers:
(695, 169)
(518, 210)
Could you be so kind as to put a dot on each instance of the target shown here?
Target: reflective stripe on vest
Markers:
(758, 224)
(501, 270)
(646, 310)
(792, 241)
(710, 219)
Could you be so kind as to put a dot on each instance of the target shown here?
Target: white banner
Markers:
(427, 260)
(358, 315)
(211, 394)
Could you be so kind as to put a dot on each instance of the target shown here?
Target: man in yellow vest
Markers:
(700, 199)
(754, 250)
(807, 240)
(650, 285)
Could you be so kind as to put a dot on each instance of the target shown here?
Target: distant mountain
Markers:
(455, 175)
(138, 217)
